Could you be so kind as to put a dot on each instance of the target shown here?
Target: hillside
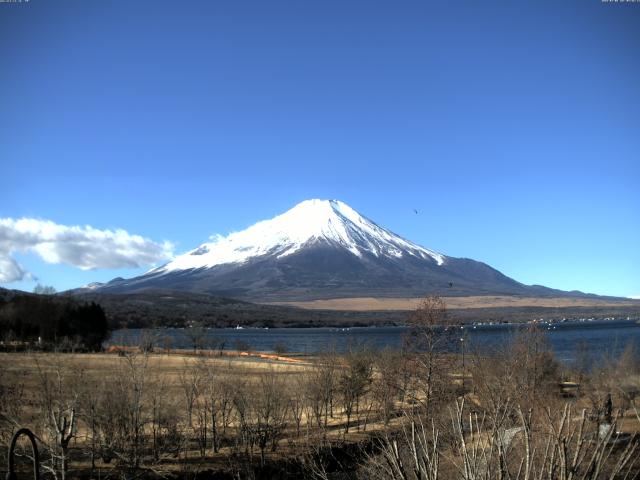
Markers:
(323, 249)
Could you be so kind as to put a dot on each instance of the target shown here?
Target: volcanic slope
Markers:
(323, 249)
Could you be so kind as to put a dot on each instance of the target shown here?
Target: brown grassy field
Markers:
(382, 304)
(153, 412)
(244, 375)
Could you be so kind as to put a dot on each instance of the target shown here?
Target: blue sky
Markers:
(512, 127)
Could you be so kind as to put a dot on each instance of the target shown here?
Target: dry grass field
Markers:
(255, 391)
(382, 304)
(363, 414)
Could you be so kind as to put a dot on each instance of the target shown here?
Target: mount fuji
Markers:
(322, 249)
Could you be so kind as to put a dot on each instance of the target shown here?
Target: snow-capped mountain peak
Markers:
(318, 249)
(312, 221)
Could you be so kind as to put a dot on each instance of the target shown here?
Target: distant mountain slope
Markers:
(158, 308)
(180, 309)
(322, 249)
(161, 308)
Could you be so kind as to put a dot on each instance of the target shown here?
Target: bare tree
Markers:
(353, 381)
(430, 333)
(314, 397)
(534, 365)
(163, 419)
(90, 392)
(413, 453)
(190, 379)
(196, 334)
(147, 341)
(525, 374)
(123, 414)
(559, 447)
(59, 407)
(211, 402)
(12, 395)
(226, 389)
(44, 289)
(296, 394)
(325, 374)
(388, 383)
(241, 402)
(270, 406)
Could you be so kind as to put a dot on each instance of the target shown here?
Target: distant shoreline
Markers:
(363, 304)
(600, 336)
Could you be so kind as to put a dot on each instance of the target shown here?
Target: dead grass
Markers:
(249, 367)
(168, 365)
(382, 304)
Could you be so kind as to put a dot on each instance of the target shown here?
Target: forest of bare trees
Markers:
(412, 413)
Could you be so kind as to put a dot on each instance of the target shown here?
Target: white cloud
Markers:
(635, 297)
(84, 247)
(11, 271)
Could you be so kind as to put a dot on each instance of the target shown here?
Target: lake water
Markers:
(599, 338)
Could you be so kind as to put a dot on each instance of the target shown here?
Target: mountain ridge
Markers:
(323, 249)
(309, 222)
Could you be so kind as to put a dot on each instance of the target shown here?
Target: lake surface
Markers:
(598, 338)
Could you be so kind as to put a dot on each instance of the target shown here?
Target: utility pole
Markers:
(463, 366)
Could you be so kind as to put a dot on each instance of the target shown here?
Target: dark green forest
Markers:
(49, 321)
